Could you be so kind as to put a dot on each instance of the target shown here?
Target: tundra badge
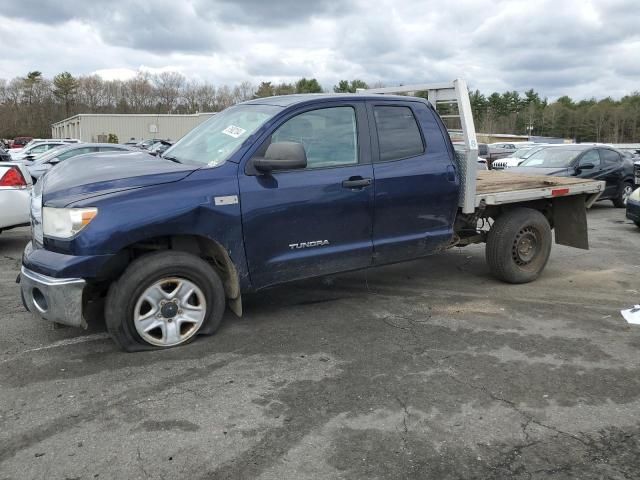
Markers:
(316, 243)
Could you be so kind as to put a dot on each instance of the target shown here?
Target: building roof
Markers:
(128, 115)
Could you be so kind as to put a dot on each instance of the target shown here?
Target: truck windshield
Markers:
(552, 158)
(216, 139)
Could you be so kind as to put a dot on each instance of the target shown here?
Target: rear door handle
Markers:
(356, 182)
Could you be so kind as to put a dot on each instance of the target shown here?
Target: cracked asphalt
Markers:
(425, 370)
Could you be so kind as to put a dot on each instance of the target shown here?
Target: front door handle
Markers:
(356, 182)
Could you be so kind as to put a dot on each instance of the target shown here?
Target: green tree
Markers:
(65, 87)
(309, 85)
(265, 89)
(284, 89)
(30, 81)
(344, 86)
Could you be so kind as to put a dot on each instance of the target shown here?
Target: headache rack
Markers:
(453, 100)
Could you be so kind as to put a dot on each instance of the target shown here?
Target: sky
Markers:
(580, 48)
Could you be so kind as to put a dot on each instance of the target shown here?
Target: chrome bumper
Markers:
(56, 299)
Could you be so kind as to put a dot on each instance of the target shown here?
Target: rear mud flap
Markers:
(570, 221)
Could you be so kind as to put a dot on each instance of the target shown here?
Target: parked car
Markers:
(44, 140)
(15, 191)
(503, 149)
(146, 144)
(46, 162)
(516, 158)
(20, 142)
(585, 161)
(270, 191)
(32, 151)
(5, 156)
(160, 147)
(633, 207)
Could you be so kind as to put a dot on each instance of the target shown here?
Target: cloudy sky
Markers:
(582, 48)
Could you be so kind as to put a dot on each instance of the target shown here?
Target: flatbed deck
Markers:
(499, 187)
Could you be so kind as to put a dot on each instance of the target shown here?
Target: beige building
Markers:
(90, 127)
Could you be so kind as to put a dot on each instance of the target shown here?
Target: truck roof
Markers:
(288, 100)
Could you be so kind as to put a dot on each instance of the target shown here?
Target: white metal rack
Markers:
(457, 93)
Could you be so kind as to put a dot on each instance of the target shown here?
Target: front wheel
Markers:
(518, 245)
(624, 192)
(163, 300)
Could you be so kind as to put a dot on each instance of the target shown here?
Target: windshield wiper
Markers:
(170, 158)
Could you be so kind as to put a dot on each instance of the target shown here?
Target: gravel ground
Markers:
(429, 369)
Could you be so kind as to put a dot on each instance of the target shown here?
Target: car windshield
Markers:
(552, 158)
(218, 138)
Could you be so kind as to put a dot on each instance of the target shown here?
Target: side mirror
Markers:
(54, 161)
(282, 156)
(586, 166)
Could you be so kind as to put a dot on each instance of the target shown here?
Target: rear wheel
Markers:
(518, 245)
(163, 300)
(625, 190)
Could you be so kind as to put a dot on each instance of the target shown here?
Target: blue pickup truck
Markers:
(271, 191)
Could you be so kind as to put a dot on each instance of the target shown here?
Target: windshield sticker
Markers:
(233, 131)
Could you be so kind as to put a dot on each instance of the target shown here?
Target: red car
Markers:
(20, 142)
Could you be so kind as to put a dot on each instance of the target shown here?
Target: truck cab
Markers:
(266, 192)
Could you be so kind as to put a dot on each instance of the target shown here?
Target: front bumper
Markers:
(55, 299)
(633, 210)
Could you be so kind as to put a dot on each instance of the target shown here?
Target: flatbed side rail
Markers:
(455, 92)
(593, 189)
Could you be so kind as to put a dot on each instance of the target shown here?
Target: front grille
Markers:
(636, 169)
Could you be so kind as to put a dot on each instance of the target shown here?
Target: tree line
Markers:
(30, 104)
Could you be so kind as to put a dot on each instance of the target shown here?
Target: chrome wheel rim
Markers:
(626, 193)
(169, 312)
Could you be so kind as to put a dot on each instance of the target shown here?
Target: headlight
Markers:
(635, 195)
(66, 222)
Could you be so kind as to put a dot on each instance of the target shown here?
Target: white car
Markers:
(31, 151)
(15, 193)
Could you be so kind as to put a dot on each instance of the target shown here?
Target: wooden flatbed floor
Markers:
(493, 181)
(499, 187)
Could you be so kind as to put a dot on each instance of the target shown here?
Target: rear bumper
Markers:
(17, 212)
(55, 299)
(633, 210)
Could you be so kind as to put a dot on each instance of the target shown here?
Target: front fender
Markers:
(186, 207)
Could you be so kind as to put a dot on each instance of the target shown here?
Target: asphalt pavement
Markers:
(424, 370)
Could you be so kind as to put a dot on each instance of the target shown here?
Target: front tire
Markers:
(625, 190)
(518, 245)
(164, 300)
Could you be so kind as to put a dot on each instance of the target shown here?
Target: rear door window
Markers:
(398, 133)
(609, 157)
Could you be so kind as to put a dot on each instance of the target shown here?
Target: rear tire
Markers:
(518, 245)
(626, 188)
(162, 300)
